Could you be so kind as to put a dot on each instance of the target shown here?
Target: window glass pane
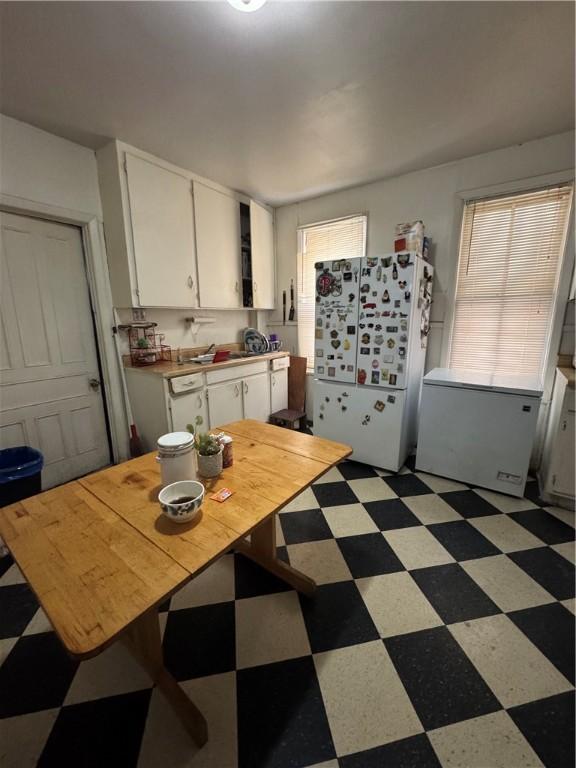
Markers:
(510, 255)
(326, 241)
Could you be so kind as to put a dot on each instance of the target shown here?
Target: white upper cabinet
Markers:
(262, 251)
(217, 217)
(173, 239)
(162, 220)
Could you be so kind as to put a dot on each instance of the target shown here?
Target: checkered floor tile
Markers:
(441, 634)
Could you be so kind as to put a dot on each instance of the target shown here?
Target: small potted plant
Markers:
(209, 455)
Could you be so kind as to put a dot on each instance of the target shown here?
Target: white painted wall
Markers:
(43, 168)
(37, 166)
(431, 195)
(227, 328)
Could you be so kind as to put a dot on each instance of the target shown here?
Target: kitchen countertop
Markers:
(169, 370)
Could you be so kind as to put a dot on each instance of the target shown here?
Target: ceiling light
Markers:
(247, 5)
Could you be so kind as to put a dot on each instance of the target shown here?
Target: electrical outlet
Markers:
(139, 315)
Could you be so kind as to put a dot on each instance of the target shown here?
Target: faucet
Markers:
(210, 349)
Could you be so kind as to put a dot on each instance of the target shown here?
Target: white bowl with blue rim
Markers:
(181, 501)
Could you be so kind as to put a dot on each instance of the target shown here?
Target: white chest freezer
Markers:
(478, 428)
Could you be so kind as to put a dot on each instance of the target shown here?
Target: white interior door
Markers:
(257, 397)
(262, 253)
(225, 403)
(163, 234)
(50, 389)
(217, 218)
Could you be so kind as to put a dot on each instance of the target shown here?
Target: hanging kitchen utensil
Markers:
(291, 314)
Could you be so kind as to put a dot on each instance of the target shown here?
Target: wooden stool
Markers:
(287, 417)
(292, 416)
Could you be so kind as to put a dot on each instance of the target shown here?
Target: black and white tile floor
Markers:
(442, 634)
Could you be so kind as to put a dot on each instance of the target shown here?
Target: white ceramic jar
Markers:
(177, 457)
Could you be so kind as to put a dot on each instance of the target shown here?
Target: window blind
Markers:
(325, 241)
(510, 255)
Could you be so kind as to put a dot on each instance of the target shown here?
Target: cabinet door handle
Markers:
(245, 387)
(237, 287)
(236, 390)
(255, 285)
(190, 282)
(199, 401)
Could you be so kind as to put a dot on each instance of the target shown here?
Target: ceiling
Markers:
(298, 98)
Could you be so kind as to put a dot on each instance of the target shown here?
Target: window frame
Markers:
(299, 263)
(564, 278)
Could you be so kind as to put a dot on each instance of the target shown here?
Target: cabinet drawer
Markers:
(280, 363)
(181, 384)
(236, 372)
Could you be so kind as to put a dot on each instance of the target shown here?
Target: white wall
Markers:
(227, 328)
(37, 166)
(43, 168)
(432, 195)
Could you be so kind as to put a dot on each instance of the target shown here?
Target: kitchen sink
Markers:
(205, 359)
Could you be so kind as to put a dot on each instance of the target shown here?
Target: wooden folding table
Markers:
(101, 557)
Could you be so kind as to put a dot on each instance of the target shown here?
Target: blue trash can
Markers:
(20, 473)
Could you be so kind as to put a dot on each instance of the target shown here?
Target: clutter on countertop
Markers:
(222, 494)
(227, 449)
(209, 451)
(181, 501)
(177, 457)
(171, 367)
(147, 347)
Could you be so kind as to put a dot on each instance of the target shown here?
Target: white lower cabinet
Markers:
(225, 403)
(557, 470)
(256, 397)
(247, 398)
(206, 400)
(278, 390)
(187, 409)
(562, 481)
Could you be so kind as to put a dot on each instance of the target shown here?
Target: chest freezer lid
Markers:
(518, 384)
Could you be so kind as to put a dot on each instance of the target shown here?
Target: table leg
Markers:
(144, 641)
(262, 549)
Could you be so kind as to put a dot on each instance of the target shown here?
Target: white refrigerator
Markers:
(478, 428)
(371, 331)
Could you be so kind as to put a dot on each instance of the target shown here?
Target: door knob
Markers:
(94, 384)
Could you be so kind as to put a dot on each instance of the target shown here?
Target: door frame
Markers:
(94, 245)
